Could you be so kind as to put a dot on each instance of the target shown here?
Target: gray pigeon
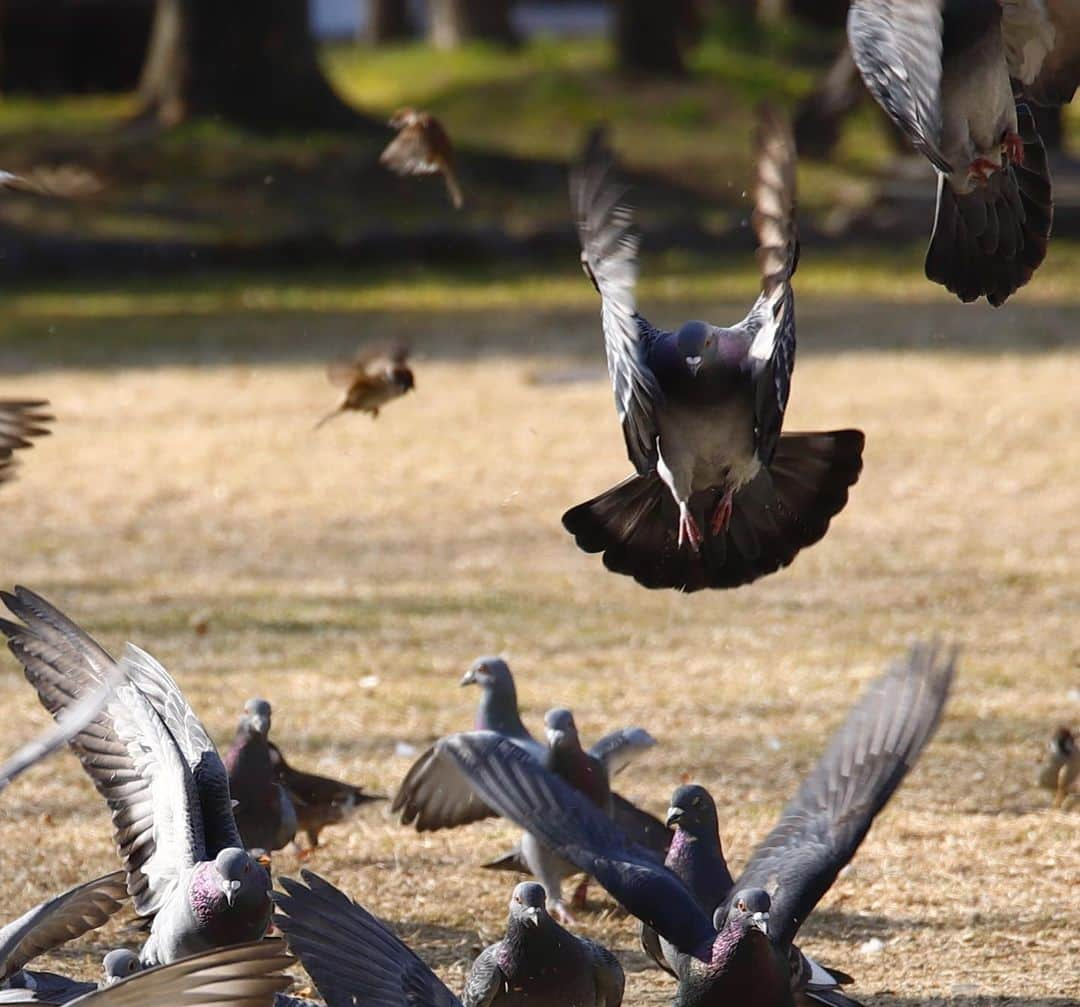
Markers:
(47, 926)
(20, 420)
(263, 810)
(153, 762)
(944, 71)
(720, 497)
(743, 952)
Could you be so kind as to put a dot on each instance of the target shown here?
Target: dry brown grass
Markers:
(188, 484)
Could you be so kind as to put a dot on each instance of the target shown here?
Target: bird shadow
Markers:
(967, 1000)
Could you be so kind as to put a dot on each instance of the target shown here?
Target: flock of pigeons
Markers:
(720, 497)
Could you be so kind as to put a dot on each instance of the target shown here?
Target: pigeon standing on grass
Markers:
(20, 420)
(743, 953)
(720, 497)
(153, 762)
(944, 71)
(422, 147)
(263, 811)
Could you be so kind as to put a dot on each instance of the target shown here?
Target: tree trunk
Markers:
(453, 22)
(821, 113)
(388, 21)
(771, 11)
(647, 36)
(252, 62)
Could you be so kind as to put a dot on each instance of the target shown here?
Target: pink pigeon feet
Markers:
(688, 529)
(721, 516)
(561, 914)
(578, 899)
(981, 169)
(1012, 146)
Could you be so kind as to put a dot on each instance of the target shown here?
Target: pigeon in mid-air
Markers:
(374, 377)
(263, 811)
(422, 147)
(151, 759)
(720, 497)
(953, 75)
(1061, 768)
(20, 420)
(46, 927)
(742, 953)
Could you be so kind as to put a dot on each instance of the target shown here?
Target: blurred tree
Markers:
(252, 62)
(388, 21)
(820, 115)
(651, 37)
(453, 22)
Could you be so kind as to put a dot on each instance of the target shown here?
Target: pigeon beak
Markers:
(674, 815)
(230, 888)
(761, 921)
(532, 916)
(694, 363)
(263, 860)
(469, 678)
(555, 738)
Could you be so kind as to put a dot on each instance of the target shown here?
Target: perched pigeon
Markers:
(422, 147)
(263, 811)
(1061, 768)
(20, 419)
(47, 926)
(720, 497)
(941, 69)
(153, 762)
(541, 964)
(732, 957)
(319, 801)
(371, 379)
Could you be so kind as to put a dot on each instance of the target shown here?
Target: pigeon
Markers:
(20, 419)
(720, 496)
(371, 379)
(743, 952)
(422, 147)
(434, 795)
(541, 964)
(943, 70)
(263, 811)
(46, 927)
(165, 784)
(319, 801)
(1061, 767)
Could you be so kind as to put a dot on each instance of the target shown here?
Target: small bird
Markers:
(720, 497)
(371, 379)
(151, 759)
(66, 181)
(944, 71)
(46, 927)
(743, 953)
(422, 147)
(263, 811)
(20, 419)
(319, 801)
(1061, 767)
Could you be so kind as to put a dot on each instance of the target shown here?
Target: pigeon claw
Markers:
(578, 899)
(689, 533)
(558, 911)
(1012, 147)
(721, 515)
(982, 169)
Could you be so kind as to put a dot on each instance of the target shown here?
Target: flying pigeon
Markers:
(47, 926)
(1061, 767)
(720, 497)
(422, 147)
(20, 419)
(319, 801)
(371, 379)
(944, 70)
(153, 762)
(263, 811)
(742, 953)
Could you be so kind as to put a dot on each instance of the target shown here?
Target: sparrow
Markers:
(422, 147)
(371, 379)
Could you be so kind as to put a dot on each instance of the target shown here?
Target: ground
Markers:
(351, 575)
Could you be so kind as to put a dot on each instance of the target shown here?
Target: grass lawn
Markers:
(350, 576)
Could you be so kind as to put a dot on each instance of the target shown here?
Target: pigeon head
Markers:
(236, 870)
(490, 673)
(561, 729)
(528, 904)
(120, 964)
(749, 908)
(696, 344)
(693, 811)
(1064, 744)
(257, 716)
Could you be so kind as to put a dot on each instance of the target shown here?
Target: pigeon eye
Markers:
(741, 906)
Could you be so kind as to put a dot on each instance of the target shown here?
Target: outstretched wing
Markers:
(20, 419)
(609, 247)
(565, 820)
(127, 750)
(59, 920)
(354, 959)
(897, 48)
(771, 322)
(868, 757)
(619, 748)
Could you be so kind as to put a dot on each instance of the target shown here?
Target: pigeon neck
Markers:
(701, 865)
(245, 919)
(523, 944)
(499, 711)
(581, 771)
